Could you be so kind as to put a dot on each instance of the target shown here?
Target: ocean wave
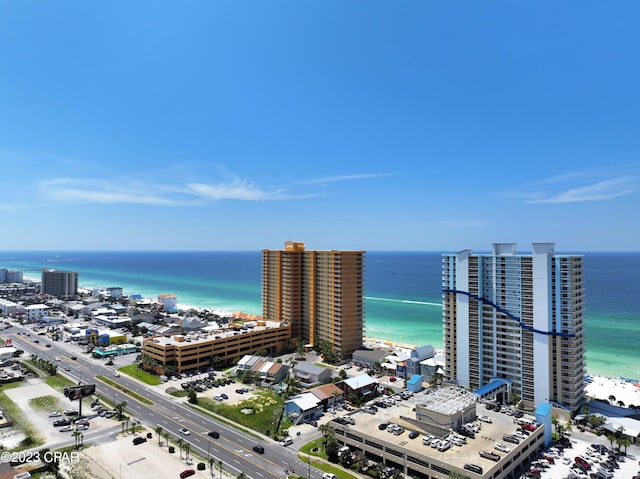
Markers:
(405, 301)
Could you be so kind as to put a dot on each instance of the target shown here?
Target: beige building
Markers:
(319, 294)
(179, 353)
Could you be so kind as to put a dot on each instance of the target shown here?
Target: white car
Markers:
(328, 475)
(501, 447)
(58, 358)
(185, 431)
(287, 441)
(485, 419)
(66, 428)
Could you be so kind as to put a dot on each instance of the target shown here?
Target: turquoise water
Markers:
(402, 292)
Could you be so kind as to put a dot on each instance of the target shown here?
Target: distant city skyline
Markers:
(421, 126)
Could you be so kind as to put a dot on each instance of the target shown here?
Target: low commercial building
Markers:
(117, 350)
(329, 394)
(35, 312)
(446, 409)
(363, 386)
(432, 366)
(188, 352)
(308, 373)
(305, 407)
(104, 337)
(366, 358)
(8, 308)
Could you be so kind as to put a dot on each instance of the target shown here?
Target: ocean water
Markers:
(402, 292)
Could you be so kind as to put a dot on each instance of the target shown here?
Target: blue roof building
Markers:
(414, 384)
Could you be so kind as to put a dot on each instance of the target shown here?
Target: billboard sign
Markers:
(79, 392)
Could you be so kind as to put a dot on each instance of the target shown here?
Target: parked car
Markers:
(187, 473)
(139, 440)
(492, 456)
(501, 447)
(473, 468)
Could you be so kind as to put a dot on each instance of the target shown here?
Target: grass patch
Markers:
(46, 403)
(19, 420)
(314, 448)
(58, 382)
(180, 393)
(325, 466)
(261, 419)
(125, 390)
(141, 375)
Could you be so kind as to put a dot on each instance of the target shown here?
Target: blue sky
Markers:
(409, 125)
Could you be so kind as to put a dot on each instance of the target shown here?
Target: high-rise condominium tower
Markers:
(318, 293)
(516, 316)
(62, 284)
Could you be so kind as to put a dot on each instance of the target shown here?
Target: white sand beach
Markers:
(625, 392)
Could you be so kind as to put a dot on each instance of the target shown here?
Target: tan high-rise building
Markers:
(319, 293)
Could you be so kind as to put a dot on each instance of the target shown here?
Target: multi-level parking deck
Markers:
(415, 459)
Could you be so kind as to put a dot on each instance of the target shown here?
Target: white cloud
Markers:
(111, 191)
(126, 191)
(601, 191)
(234, 190)
(334, 179)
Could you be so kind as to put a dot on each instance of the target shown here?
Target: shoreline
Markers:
(600, 362)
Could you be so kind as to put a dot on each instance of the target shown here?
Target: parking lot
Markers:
(562, 466)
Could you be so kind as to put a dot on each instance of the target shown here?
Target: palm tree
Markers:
(120, 409)
(158, 430)
(75, 435)
(180, 444)
(568, 427)
(187, 449)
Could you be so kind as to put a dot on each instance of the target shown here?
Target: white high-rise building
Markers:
(518, 317)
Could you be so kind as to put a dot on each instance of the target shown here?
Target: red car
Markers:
(529, 427)
(392, 379)
(583, 462)
(187, 473)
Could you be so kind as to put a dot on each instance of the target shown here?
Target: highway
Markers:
(234, 447)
